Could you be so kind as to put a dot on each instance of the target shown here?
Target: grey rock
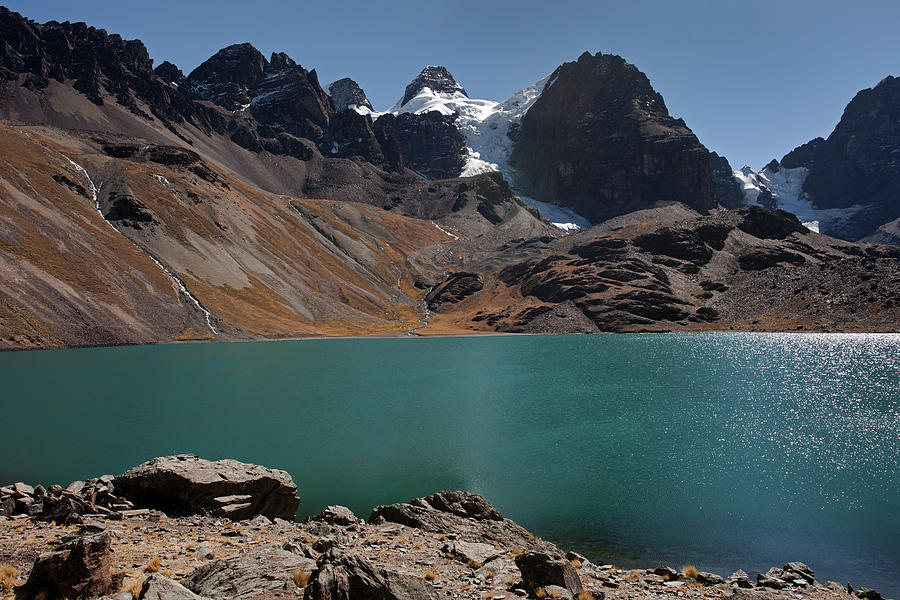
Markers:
(772, 579)
(262, 569)
(344, 576)
(754, 594)
(554, 591)
(868, 594)
(794, 570)
(336, 515)
(540, 569)
(159, 587)
(464, 516)
(22, 489)
(709, 578)
(471, 551)
(79, 568)
(186, 484)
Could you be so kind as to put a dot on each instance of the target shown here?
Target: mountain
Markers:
(850, 182)
(600, 140)
(246, 201)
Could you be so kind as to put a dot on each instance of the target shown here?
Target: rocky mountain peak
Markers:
(169, 73)
(227, 76)
(600, 140)
(438, 79)
(346, 93)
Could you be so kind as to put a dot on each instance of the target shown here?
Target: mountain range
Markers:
(247, 200)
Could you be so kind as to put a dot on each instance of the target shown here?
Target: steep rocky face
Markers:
(169, 73)
(281, 95)
(429, 143)
(436, 78)
(859, 163)
(600, 140)
(725, 187)
(346, 93)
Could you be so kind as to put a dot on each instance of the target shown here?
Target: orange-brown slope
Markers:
(261, 264)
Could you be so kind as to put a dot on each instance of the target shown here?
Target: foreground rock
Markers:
(186, 484)
(344, 576)
(93, 497)
(160, 587)
(245, 576)
(540, 569)
(79, 568)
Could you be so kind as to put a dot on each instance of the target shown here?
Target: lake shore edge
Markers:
(248, 544)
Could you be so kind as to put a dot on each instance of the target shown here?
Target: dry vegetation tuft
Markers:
(301, 577)
(8, 576)
(431, 575)
(690, 571)
(153, 566)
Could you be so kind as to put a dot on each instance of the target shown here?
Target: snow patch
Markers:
(454, 236)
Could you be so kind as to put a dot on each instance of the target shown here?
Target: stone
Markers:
(540, 569)
(7, 506)
(868, 594)
(336, 515)
(554, 591)
(709, 578)
(771, 579)
(573, 556)
(471, 551)
(794, 570)
(22, 489)
(667, 573)
(259, 570)
(186, 484)
(341, 575)
(79, 568)
(159, 587)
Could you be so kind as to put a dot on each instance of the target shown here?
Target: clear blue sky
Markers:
(753, 79)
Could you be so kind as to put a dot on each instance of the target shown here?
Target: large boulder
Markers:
(248, 575)
(160, 587)
(186, 484)
(79, 568)
(344, 575)
(540, 569)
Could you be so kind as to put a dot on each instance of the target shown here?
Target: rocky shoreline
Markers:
(180, 527)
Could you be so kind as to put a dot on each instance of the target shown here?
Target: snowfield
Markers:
(786, 186)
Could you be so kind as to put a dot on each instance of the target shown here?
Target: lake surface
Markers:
(721, 450)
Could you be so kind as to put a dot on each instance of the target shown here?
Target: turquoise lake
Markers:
(725, 451)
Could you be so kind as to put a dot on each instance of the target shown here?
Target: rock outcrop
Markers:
(160, 587)
(79, 568)
(346, 93)
(429, 143)
(186, 484)
(600, 140)
(248, 575)
(341, 575)
(456, 287)
(540, 569)
(859, 163)
(469, 516)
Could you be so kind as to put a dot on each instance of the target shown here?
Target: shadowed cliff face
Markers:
(859, 163)
(600, 140)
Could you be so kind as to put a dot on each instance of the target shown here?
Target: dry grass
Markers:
(576, 563)
(301, 577)
(490, 575)
(308, 539)
(509, 582)
(474, 564)
(555, 594)
(8, 576)
(632, 577)
(443, 538)
(488, 595)
(154, 565)
(133, 587)
(431, 575)
(690, 571)
(516, 551)
(585, 595)
(540, 593)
